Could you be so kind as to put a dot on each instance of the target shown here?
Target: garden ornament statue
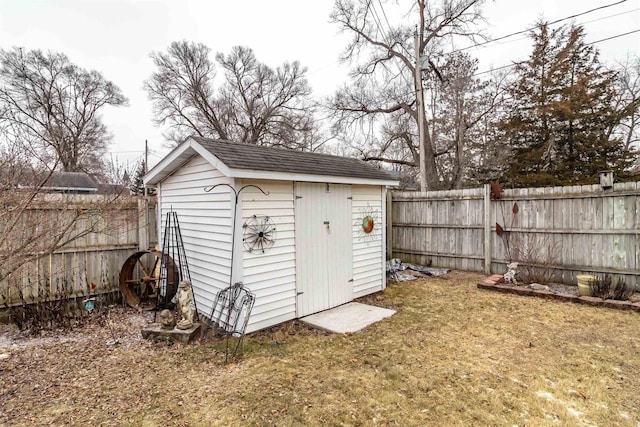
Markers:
(186, 305)
(510, 275)
(167, 320)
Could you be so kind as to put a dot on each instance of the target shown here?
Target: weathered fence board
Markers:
(89, 264)
(573, 229)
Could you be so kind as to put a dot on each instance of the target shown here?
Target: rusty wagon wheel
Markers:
(139, 276)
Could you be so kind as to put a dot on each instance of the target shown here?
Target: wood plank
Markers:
(594, 230)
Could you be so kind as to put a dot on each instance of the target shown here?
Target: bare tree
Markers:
(627, 103)
(458, 107)
(253, 103)
(52, 106)
(380, 101)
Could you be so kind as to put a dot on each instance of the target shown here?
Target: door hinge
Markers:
(298, 197)
(299, 293)
(350, 280)
(350, 197)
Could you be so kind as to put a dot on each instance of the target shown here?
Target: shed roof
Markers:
(254, 161)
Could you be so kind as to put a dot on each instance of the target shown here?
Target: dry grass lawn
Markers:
(453, 355)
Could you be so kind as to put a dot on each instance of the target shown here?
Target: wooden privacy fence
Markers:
(570, 230)
(109, 232)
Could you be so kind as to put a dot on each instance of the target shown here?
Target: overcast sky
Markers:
(116, 37)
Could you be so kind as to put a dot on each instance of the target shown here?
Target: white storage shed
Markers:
(314, 242)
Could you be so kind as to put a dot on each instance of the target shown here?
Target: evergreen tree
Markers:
(137, 185)
(558, 126)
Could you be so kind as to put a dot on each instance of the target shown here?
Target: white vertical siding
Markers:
(270, 275)
(368, 249)
(324, 246)
(205, 223)
(340, 244)
(312, 273)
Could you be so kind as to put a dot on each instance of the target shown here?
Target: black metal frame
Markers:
(173, 263)
(229, 296)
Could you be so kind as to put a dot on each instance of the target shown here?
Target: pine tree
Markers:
(561, 112)
(137, 185)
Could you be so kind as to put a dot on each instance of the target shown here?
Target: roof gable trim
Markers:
(287, 176)
(178, 157)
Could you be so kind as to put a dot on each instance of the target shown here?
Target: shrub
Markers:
(606, 288)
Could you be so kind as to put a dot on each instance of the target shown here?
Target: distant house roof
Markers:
(68, 182)
(261, 162)
(76, 181)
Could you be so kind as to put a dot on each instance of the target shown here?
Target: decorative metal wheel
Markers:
(259, 233)
(139, 276)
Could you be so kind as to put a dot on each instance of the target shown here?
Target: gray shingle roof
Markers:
(71, 180)
(272, 159)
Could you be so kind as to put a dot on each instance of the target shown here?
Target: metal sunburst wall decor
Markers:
(259, 233)
(368, 223)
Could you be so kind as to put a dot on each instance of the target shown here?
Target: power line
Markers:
(611, 16)
(388, 35)
(126, 151)
(582, 23)
(533, 28)
(587, 44)
(522, 62)
(614, 37)
(379, 27)
(385, 15)
(378, 21)
(376, 18)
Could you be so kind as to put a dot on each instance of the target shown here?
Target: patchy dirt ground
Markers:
(121, 324)
(452, 355)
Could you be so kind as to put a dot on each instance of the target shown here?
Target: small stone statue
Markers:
(186, 305)
(167, 321)
(510, 275)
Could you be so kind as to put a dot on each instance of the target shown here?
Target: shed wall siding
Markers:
(270, 275)
(368, 249)
(205, 224)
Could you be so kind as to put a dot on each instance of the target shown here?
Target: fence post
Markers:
(143, 223)
(487, 229)
(389, 213)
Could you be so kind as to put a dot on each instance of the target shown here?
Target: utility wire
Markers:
(376, 18)
(385, 15)
(581, 23)
(533, 28)
(611, 16)
(380, 26)
(614, 37)
(522, 62)
(587, 44)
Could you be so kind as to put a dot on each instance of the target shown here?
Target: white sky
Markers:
(115, 37)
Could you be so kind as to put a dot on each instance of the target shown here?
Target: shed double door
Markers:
(324, 261)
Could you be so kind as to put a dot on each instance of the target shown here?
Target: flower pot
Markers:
(584, 284)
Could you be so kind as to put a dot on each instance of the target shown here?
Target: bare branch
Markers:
(254, 103)
(384, 105)
(53, 105)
